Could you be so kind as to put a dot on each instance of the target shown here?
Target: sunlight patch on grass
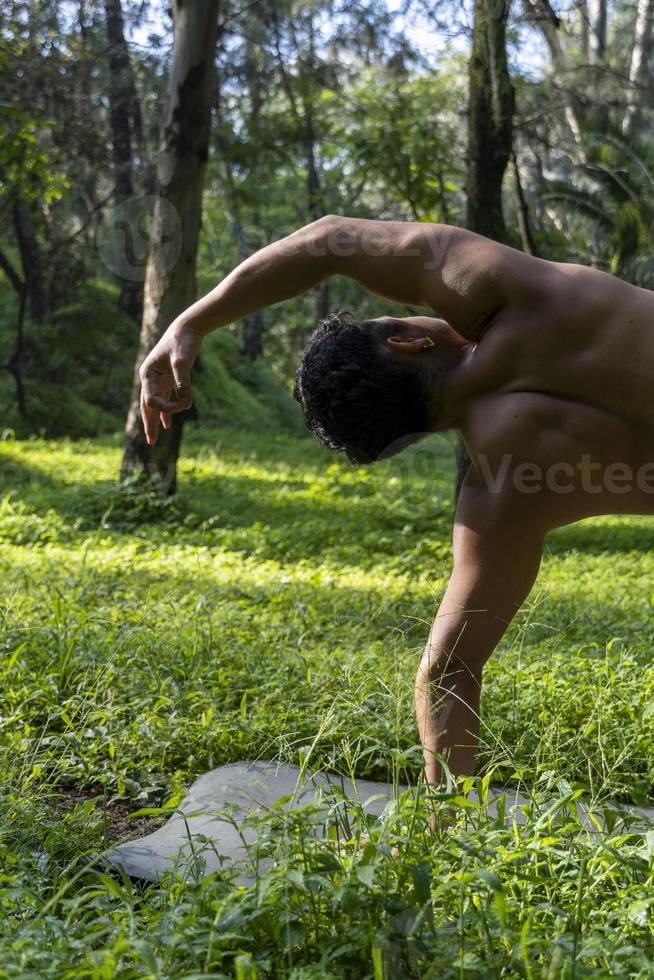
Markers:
(278, 606)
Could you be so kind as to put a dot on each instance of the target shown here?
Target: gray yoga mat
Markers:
(206, 830)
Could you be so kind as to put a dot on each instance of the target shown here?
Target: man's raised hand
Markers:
(166, 378)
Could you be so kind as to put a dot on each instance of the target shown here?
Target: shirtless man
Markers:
(544, 368)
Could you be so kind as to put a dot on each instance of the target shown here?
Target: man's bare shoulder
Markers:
(502, 278)
(587, 282)
(464, 277)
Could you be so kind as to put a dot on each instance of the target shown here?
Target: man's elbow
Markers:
(325, 242)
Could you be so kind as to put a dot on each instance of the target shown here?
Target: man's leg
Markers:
(463, 463)
(447, 696)
(497, 547)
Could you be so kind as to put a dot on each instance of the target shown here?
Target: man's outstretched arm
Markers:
(462, 276)
(277, 272)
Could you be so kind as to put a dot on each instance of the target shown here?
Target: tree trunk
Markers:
(315, 200)
(305, 123)
(543, 16)
(597, 33)
(638, 73)
(490, 119)
(15, 362)
(122, 98)
(11, 273)
(120, 84)
(584, 32)
(315, 205)
(442, 196)
(181, 166)
(252, 326)
(30, 256)
(522, 209)
(490, 136)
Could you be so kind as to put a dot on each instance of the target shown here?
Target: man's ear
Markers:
(409, 345)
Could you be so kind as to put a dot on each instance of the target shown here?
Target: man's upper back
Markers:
(578, 334)
(552, 338)
(564, 383)
(566, 329)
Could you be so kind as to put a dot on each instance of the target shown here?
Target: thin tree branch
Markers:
(11, 274)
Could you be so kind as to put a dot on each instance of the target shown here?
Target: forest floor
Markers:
(277, 608)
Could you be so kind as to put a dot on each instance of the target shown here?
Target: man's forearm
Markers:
(275, 273)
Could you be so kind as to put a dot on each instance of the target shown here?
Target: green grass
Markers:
(278, 607)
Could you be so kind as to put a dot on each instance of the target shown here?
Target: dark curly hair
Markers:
(356, 396)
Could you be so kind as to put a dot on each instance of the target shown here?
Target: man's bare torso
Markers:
(563, 381)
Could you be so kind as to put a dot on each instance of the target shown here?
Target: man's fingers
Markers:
(161, 379)
(157, 396)
(165, 416)
(163, 403)
(157, 405)
(182, 376)
(150, 418)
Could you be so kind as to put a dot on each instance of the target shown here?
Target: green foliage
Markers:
(485, 900)
(28, 169)
(413, 145)
(232, 390)
(79, 367)
(611, 200)
(278, 608)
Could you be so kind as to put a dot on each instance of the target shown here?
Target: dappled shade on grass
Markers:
(280, 603)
